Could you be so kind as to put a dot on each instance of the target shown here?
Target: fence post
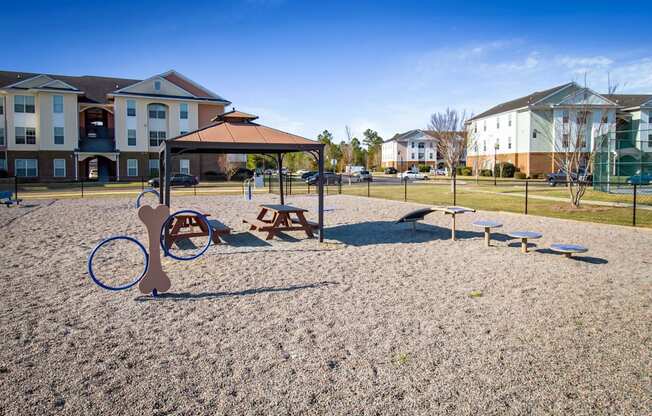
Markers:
(405, 189)
(194, 189)
(16, 188)
(339, 185)
(368, 189)
(634, 208)
(526, 195)
(269, 182)
(454, 189)
(82, 188)
(142, 184)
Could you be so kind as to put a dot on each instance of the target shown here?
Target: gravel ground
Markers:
(380, 320)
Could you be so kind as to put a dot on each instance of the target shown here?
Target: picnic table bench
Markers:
(185, 226)
(7, 198)
(284, 218)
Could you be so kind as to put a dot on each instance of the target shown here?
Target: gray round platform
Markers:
(487, 225)
(524, 236)
(568, 249)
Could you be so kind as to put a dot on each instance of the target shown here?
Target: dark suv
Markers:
(560, 177)
(390, 171)
(329, 179)
(177, 179)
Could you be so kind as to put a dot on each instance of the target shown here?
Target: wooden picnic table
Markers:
(189, 225)
(283, 218)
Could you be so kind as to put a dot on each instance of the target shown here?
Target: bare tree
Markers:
(452, 138)
(347, 149)
(580, 132)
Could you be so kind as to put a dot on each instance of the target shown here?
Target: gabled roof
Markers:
(404, 136)
(234, 115)
(95, 89)
(630, 100)
(521, 102)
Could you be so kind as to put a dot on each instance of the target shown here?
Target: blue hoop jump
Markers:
(108, 240)
(202, 217)
(146, 191)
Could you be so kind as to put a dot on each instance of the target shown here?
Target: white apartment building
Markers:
(410, 149)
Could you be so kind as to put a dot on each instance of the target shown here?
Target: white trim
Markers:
(188, 80)
(16, 84)
(154, 78)
(570, 84)
(213, 101)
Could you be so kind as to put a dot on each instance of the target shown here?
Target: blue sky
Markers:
(306, 66)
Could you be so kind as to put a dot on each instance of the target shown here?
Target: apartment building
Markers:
(529, 130)
(410, 149)
(56, 127)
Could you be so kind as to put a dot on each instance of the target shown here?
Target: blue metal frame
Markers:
(108, 240)
(202, 217)
(146, 191)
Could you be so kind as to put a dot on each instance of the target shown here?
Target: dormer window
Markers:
(157, 85)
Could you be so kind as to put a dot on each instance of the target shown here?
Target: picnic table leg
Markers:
(487, 236)
(261, 214)
(277, 222)
(568, 255)
(172, 235)
(304, 224)
(524, 245)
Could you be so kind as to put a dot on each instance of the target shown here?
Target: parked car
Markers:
(640, 178)
(241, 174)
(365, 176)
(330, 178)
(391, 171)
(439, 172)
(306, 174)
(408, 174)
(177, 179)
(560, 177)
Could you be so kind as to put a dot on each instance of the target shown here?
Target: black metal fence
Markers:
(630, 205)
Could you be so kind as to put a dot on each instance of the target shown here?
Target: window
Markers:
(534, 134)
(2, 106)
(26, 167)
(184, 166)
(412, 156)
(604, 119)
(183, 111)
(131, 137)
(24, 104)
(132, 167)
(484, 146)
(131, 108)
(430, 156)
(2, 136)
(157, 85)
(564, 117)
(60, 168)
(565, 141)
(649, 139)
(475, 127)
(58, 135)
(484, 126)
(497, 122)
(3, 164)
(25, 135)
(57, 103)
(421, 145)
(156, 137)
(649, 117)
(153, 167)
(182, 132)
(509, 120)
(412, 145)
(509, 142)
(157, 111)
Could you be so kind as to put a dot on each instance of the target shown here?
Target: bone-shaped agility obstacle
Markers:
(157, 221)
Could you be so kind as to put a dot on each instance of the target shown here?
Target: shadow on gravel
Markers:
(245, 239)
(217, 295)
(576, 257)
(388, 232)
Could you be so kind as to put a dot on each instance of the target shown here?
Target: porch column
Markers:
(117, 168)
(168, 175)
(76, 161)
(279, 158)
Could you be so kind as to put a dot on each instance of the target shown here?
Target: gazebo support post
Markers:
(168, 170)
(279, 160)
(161, 176)
(320, 167)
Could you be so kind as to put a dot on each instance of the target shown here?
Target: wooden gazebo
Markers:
(236, 132)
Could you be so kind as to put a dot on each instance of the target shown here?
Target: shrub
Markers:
(508, 169)
(466, 171)
(537, 175)
(424, 168)
(520, 175)
(485, 172)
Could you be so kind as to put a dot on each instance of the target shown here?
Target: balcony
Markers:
(96, 139)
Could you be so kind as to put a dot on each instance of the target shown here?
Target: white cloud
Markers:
(592, 61)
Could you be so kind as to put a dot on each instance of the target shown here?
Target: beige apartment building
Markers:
(56, 127)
